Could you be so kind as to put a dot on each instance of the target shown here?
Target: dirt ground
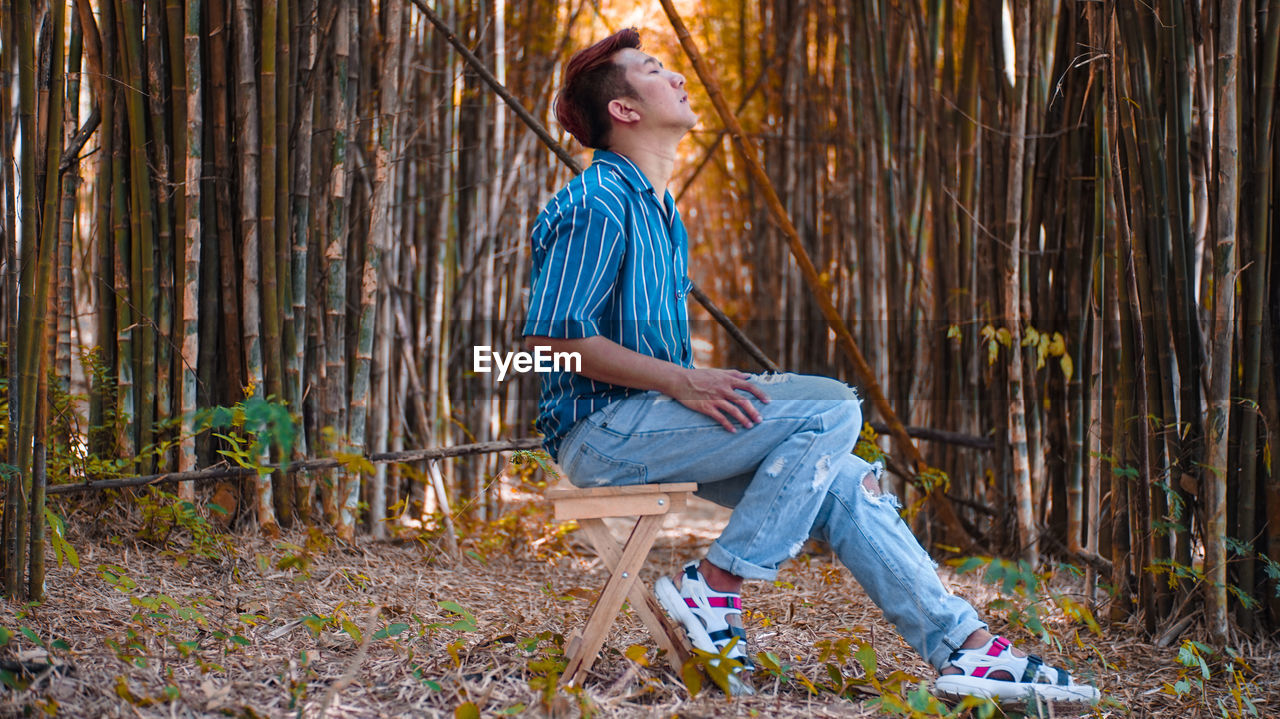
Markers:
(191, 625)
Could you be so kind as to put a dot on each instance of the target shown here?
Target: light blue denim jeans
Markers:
(790, 477)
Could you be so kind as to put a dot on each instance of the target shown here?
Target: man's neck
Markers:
(655, 159)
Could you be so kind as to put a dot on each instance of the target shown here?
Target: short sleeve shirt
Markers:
(610, 258)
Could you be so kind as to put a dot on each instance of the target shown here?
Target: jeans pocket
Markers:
(592, 468)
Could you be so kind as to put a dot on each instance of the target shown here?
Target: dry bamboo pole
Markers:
(299, 232)
(380, 241)
(285, 490)
(223, 210)
(335, 303)
(66, 233)
(310, 465)
(268, 227)
(1257, 280)
(102, 396)
(249, 154)
(192, 239)
(1227, 205)
(15, 512)
(870, 385)
(1028, 539)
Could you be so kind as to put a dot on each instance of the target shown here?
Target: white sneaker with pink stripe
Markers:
(993, 671)
(711, 619)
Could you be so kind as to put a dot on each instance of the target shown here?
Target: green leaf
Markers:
(391, 631)
(466, 624)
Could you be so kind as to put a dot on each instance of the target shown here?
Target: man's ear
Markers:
(621, 110)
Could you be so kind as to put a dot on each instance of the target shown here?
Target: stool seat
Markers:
(649, 504)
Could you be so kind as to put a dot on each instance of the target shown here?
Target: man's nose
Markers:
(677, 79)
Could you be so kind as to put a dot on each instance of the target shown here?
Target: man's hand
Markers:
(714, 392)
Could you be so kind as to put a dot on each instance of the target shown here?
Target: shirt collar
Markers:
(629, 171)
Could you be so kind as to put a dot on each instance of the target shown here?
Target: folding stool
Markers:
(649, 504)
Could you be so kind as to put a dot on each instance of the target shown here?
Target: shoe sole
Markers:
(670, 599)
(1007, 691)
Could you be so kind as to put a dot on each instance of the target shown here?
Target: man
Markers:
(609, 280)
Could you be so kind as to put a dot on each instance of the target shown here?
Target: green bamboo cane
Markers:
(142, 226)
(28, 349)
(1226, 142)
(1257, 281)
(102, 395)
(10, 279)
(37, 354)
(192, 245)
(286, 489)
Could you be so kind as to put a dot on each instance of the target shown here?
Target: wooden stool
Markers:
(649, 504)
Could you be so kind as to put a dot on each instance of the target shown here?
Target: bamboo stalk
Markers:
(1227, 204)
(192, 245)
(380, 240)
(161, 160)
(142, 229)
(300, 231)
(66, 233)
(1027, 532)
(27, 348)
(335, 261)
(1255, 301)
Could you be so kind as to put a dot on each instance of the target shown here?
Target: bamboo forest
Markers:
(266, 265)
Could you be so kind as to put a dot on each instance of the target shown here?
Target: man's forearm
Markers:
(604, 360)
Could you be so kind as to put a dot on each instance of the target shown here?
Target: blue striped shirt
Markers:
(609, 258)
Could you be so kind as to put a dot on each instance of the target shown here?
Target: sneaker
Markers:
(711, 619)
(992, 671)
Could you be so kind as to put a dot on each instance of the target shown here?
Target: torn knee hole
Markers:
(871, 484)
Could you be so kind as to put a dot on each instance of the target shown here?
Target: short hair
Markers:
(591, 81)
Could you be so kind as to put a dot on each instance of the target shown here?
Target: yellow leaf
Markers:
(637, 653)
(1031, 337)
(953, 332)
(1068, 367)
(692, 677)
(1041, 348)
(1005, 337)
(1058, 346)
(468, 710)
(1266, 455)
(988, 332)
(993, 351)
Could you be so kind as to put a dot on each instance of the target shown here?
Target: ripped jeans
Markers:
(790, 477)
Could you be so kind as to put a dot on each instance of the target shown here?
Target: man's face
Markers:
(661, 101)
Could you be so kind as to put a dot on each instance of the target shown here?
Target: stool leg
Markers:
(610, 599)
(664, 631)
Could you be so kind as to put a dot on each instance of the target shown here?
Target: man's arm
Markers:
(712, 392)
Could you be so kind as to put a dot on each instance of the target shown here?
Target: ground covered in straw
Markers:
(161, 621)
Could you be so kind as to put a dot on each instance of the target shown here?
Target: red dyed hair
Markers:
(591, 81)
